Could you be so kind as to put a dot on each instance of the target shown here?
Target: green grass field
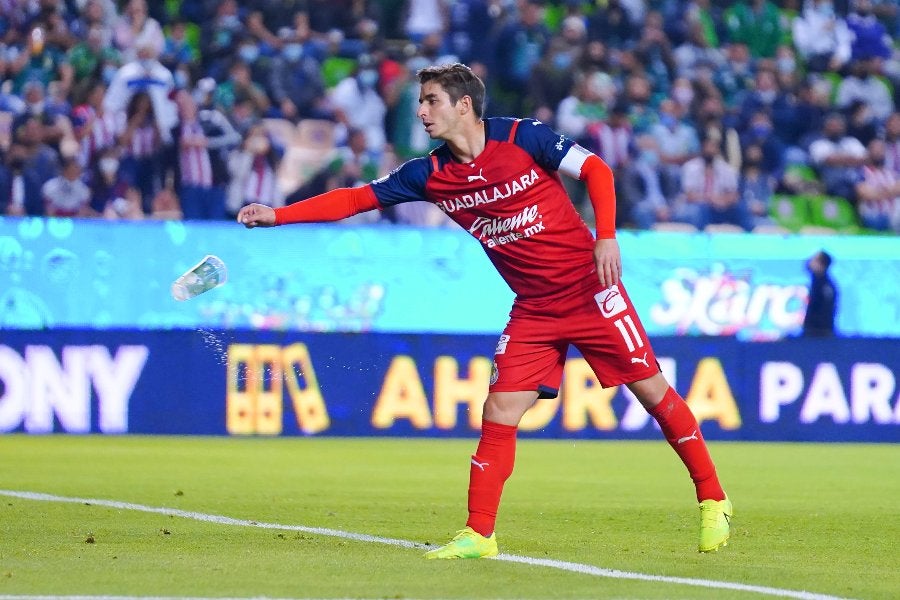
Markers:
(814, 517)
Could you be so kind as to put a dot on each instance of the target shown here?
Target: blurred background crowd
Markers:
(747, 116)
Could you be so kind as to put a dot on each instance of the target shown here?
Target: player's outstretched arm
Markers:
(256, 215)
(333, 205)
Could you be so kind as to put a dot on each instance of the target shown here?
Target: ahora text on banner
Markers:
(261, 383)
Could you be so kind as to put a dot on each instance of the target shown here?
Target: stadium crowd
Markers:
(706, 110)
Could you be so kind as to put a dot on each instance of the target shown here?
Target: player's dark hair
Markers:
(458, 80)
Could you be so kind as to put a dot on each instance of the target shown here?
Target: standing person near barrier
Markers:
(498, 179)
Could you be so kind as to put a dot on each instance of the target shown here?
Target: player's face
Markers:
(440, 117)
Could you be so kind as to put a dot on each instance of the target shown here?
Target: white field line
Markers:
(361, 537)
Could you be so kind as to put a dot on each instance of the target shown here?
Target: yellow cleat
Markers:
(467, 543)
(715, 524)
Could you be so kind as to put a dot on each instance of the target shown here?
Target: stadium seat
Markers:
(310, 146)
(677, 227)
(790, 211)
(723, 228)
(833, 212)
(770, 229)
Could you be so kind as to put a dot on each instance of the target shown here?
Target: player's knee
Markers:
(650, 391)
(507, 408)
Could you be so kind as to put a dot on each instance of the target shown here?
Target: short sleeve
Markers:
(545, 145)
(406, 183)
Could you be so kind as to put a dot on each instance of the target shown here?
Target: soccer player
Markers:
(499, 179)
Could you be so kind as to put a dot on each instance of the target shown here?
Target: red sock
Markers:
(492, 464)
(683, 434)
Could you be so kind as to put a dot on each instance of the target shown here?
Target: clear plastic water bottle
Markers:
(209, 273)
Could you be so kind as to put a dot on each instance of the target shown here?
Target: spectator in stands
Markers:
(675, 143)
(125, 207)
(101, 126)
(863, 84)
(36, 60)
(837, 157)
(93, 56)
(613, 141)
(823, 297)
(592, 96)
(66, 195)
(811, 105)
(755, 188)
(766, 97)
(142, 148)
(145, 75)
(760, 132)
(613, 25)
(52, 119)
(519, 46)
(136, 29)
(892, 142)
(32, 163)
(423, 18)
(177, 48)
(469, 27)
(218, 38)
(554, 75)
(99, 14)
(710, 190)
(108, 182)
(358, 105)
(878, 192)
(694, 51)
(736, 76)
(296, 84)
(166, 206)
(53, 17)
(822, 37)
(756, 23)
(239, 86)
(253, 167)
(860, 122)
(654, 50)
(195, 183)
(870, 37)
(641, 108)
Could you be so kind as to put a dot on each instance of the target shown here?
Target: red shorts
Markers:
(602, 324)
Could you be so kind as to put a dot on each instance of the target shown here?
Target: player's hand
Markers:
(608, 260)
(256, 215)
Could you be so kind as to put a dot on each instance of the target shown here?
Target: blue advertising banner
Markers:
(90, 274)
(224, 382)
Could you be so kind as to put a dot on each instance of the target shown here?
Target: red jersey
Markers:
(512, 200)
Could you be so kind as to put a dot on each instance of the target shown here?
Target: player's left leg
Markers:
(681, 430)
(613, 341)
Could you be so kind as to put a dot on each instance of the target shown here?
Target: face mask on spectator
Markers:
(230, 22)
(562, 60)
(181, 80)
(108, 72)
(767, 96)
(293, 52)
(668, 120)
(786, 65)
(826, 9)
(109, 165)
(368, 78)
(248, 54)
(683, 95)
(762, 130)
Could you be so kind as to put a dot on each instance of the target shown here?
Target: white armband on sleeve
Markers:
(572, 162)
